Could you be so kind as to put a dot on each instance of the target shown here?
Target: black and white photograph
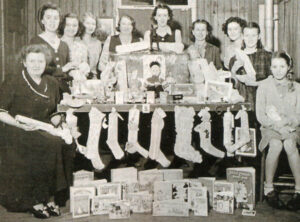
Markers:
(149, 110)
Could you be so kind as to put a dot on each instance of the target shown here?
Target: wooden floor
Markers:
(264, 214)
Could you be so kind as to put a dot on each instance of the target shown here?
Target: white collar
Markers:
(164, 31)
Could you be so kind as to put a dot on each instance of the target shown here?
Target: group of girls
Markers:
(37, 165)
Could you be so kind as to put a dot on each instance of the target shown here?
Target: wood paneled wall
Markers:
(289, 31)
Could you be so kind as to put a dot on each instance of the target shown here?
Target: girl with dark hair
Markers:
(49, 19)
(162, 33)
(32, 169)
(251, 64)
(278, 111)
(93, 45)
(127, 34)
(233, 29)
(200, 34)
(70, 28)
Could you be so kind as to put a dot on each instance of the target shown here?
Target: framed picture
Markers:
(154, 68)
(218, 91)
(81, 206)
(250, 148)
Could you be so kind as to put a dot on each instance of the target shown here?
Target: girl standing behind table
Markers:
(278, 111)
(200, 34)
(70, 28)
(233, 29)
(162, 17)
(260, 61)
(92, 43)
(49, 19)
(127, 34)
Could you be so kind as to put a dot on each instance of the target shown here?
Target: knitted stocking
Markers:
(133, 145)
(204, 130)
(184, 121)
(157, 124)
(96, 118)
(244, 133)
(112, 137)
(228, 124)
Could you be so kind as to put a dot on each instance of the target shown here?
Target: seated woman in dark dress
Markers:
(49, 19)
(32, 167)
(127, 34)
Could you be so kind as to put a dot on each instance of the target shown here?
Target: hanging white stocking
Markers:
(112, 137)
(204, 130)
(157, 124)
(132, 144)
(96, 119)
(228, 125)
(244, 135)
(184, 122)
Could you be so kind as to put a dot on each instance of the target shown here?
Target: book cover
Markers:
(170, 208)
(162, 190)
(180, 190)
(223, 197)
(147, 179)
(128, 187)
(82, 176)
(250, 148)
(196, 192)
(102, 204)
(110, 189)
(81, 206)
(244, 186)
(172, 174)
(126, 174)
(140, 202)
(208, 182)
(80, 191)
(119, 210)
(200, 206)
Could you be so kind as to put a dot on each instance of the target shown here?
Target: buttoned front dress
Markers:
(31, 163)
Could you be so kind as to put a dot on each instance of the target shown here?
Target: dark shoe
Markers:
(274, 201)
(40, 213)
(53, 209)
(294, 203)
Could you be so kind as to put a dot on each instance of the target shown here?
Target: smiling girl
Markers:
(163, 33)
(278, 111)
(92, 43)
(251, 64)
(233, 29)
(49, 19)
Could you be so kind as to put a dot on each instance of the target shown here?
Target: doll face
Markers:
(234, 31)
(71, 27)
(90, 25)
(279, 68)
(126, 26)
(155, 70)
(162, 17)
(200, 31)
(251, 37)
(35, 64)
(51, 20)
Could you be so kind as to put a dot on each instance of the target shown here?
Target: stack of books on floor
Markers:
(162, 192)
